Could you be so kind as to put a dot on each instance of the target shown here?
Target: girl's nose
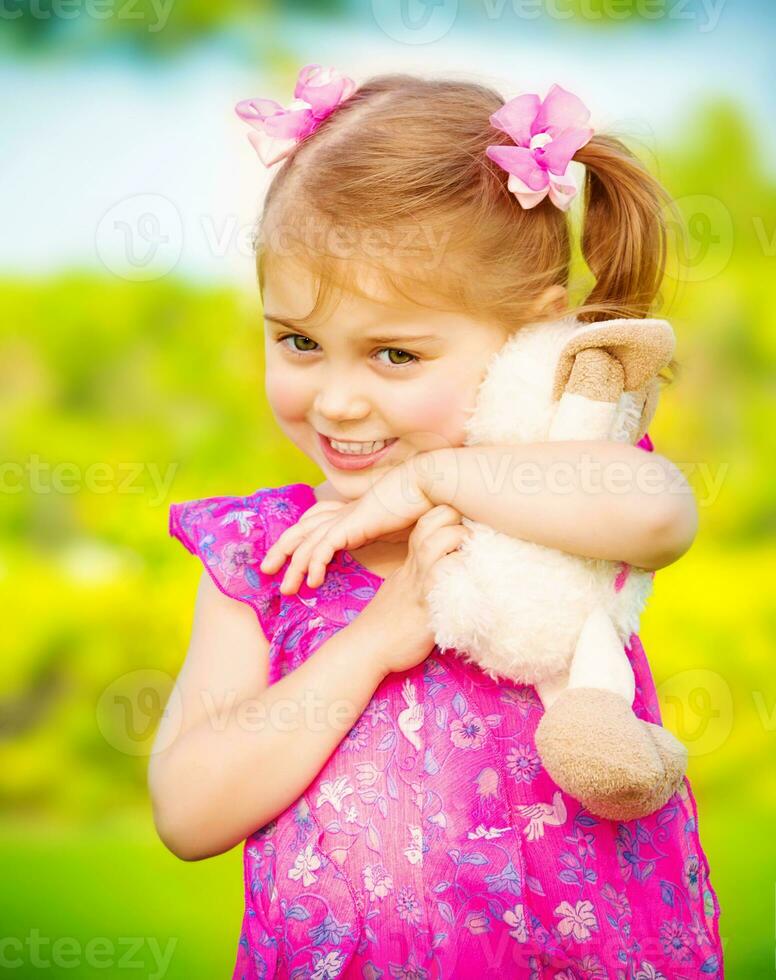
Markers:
(338, 403)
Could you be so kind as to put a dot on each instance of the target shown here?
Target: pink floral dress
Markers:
(433, 844)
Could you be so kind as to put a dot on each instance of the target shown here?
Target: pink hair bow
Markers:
(277, 130)
(547, 134)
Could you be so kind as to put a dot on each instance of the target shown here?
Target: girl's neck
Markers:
(325, 491)
(381, 557)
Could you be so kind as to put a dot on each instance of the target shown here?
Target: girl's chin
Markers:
(353, 484)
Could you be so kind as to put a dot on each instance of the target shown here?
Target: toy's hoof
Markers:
(673, 754)
(597, 750)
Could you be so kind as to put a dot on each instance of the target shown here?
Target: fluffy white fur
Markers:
(513, 607)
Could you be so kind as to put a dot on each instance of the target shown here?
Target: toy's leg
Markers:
(600, 659)
(593, 745)
(551, 689)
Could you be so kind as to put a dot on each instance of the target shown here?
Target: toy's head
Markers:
(524, 380)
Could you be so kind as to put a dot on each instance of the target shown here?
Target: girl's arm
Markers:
(232, 752)
(599, 499)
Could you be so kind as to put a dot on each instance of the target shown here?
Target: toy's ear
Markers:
(643, 348)
(648, 409)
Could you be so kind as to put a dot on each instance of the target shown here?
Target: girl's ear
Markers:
(552, 302)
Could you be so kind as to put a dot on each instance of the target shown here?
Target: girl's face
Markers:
(372, 372)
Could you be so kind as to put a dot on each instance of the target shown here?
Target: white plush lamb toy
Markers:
(551, 619)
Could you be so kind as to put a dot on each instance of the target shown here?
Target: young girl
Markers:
(399, 822)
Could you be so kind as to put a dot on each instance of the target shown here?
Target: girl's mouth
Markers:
(352, 460)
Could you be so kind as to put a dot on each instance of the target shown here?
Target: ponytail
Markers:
(624, 237)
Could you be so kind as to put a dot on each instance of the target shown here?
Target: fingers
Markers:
(437, 533)
(439, 543)
(439, 516)
(289, 540)
(300, 561)
(321, 553)
(320, 532)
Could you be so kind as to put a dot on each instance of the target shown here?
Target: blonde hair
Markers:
(402, 162)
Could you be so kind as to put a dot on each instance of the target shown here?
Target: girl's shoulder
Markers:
(231, 534)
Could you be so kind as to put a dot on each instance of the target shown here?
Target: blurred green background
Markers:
(131, 376)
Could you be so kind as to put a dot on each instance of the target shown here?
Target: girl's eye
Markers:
(298, 336)
(295, 349)
(401, 353)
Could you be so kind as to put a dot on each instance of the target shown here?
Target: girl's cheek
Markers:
(287, 399)
(437, 411)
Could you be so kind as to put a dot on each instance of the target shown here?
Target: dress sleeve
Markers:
(229, 537)
(646, 443)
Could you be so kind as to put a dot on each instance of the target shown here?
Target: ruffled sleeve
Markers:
(228, 535)
(646, 443)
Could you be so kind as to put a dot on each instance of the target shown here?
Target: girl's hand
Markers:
(393, 504)
(399, 605)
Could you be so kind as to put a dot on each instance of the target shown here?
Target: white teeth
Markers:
(357, 448)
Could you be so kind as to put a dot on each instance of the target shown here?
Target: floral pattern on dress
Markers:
(432, 843)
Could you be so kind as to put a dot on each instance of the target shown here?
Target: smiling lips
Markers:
(358, 456)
